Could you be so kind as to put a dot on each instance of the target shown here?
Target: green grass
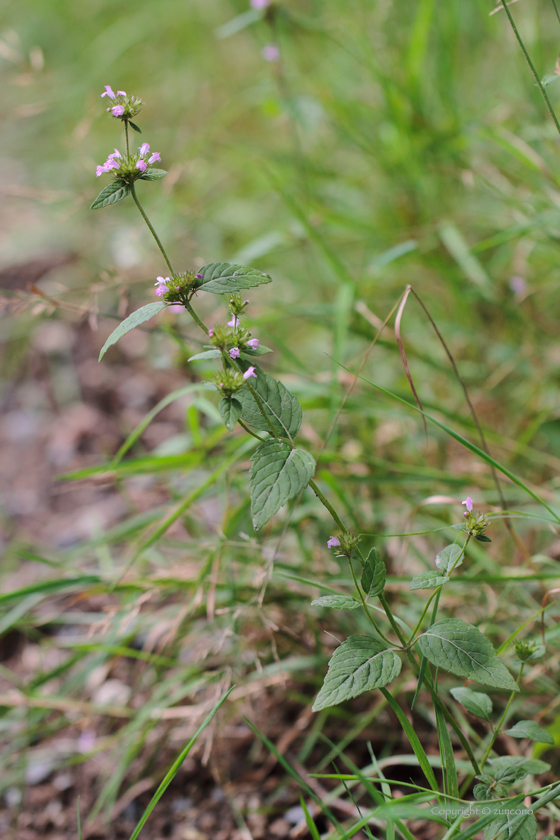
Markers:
(393, 144)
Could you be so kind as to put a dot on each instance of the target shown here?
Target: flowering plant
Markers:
(264, 408)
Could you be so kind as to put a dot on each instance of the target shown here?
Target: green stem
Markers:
(532, 67)
(325, 502)
(194, 316)
(126, 136)
(250, 431)
(501, 723)
(152, 231)
(365, 606)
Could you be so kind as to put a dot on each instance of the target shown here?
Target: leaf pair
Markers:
(217, 278)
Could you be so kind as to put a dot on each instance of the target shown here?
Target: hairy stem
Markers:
(152, 231)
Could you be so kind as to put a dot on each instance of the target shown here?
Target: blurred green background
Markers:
(391, 143)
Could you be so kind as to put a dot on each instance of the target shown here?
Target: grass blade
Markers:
(175, 767)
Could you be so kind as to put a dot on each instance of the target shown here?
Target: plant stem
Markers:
(365, 606)
(325, 502)
(501, 723)
(250, 431)
(532, 67)
(194, 316)
(154, 234)
(126, 136)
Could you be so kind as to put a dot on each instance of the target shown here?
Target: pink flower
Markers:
(469, 504)
(108, 92)
(211, 332)
(111, 163)
(155, 156)
(100, 170)
(271, 52)
(249, 372)
(117, 110)
(333, 542)
(121, 93)
(162, 287)
(260, 4)
(144, 149)
(234, 322)
(115, 154)
(141, 165)
(234, 353)
(253, 343)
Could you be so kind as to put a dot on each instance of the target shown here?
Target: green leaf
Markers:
(361, 663)
(278, 474)
(134, 126)
(459, 647)
(427, 580)
(532, 730)
(511, 826)
(374, 574)
(311, 827)
(261, 350)
(448, 767)
(475, 702)
(150, 174)
(134, 320)
(214, 353)
(282, 408)
(230, 411)
(225, 278)
(549, 79)
(508, 769)
(111, 194)
(448, 557)
(482, 538)
(336, 602)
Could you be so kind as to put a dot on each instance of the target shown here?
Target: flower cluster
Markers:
(345, 543)
(526, 650)
(229, 381)
(475, 522)
(129, 167)
(123, 107)
(178, 288)
(231, 337)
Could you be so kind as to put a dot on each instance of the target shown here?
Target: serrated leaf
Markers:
(277, 475)
(261, 350)
(481, 792)
(508, 769)
(475, 702)
(361, 663)
(282, 408)
(134, 320)
(225, 278)
(230, 412)
(532, 730)
(511, 826)
(459, 647)
(207, 354)
(111, 194)
(448, 558)
(336, 602)
(374, 574)
(427, 580)
(151, 174)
